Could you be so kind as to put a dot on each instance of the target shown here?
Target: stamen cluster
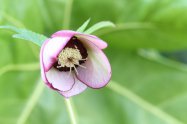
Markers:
(69, 57)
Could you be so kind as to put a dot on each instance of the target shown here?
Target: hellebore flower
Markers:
(71, 61)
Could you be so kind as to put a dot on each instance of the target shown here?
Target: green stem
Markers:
(13, 20)
(33, 100)
(154, 55)
(20, 67)
(126, 26)
(67, 14)
(70, 111)
(142, 103)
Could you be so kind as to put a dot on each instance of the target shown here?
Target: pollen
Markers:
(69, 57)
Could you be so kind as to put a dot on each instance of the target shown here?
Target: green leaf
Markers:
(83, 27)
(98, 26)
(24, 34)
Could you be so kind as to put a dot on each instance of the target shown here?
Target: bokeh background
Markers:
(147, 51)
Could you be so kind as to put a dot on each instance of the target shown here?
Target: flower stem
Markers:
(67, 14)
(31, 103)
(70, 111)
(66, 24)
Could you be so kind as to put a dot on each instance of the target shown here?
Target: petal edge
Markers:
(98, 70)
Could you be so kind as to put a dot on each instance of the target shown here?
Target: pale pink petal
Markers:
(41, 62)
(98, 70)
(51, 49)
(64, 33)
(77, 88)
(43, 75)
(62, 81)
(90, 38)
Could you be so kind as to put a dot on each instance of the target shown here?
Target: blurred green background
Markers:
(146, 88)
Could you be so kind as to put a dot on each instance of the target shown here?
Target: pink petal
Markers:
(77, 88)
(90, 38)
(62, 81)
(98, 71)
(64, 33)
(51, 49)
(41, 62)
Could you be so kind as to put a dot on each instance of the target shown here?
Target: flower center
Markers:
(72, 56)
(69, 57)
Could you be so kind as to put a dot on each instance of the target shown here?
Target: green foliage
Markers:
(98, 26)
(27, 35)
(83, 27)
(146, 88)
